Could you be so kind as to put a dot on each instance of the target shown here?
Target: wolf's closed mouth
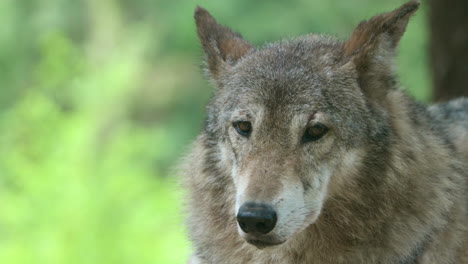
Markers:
(263, 244)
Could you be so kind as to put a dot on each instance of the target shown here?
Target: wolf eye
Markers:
(314, 132)
(243, 127)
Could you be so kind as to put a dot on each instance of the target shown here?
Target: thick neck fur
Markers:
(388, 211)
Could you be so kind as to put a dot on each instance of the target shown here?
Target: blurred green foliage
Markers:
(98, 100)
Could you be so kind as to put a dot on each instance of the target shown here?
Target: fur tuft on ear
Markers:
(372, 45)
(222, 46)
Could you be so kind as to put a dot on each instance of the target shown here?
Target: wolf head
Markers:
(293, 121)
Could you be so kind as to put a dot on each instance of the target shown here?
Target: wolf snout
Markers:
(256, 218)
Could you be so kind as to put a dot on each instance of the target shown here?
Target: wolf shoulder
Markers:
(452, 118)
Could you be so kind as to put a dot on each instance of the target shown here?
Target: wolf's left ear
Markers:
(223, 47)
(371, 47)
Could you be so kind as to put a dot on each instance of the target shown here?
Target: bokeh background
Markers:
(100, 98)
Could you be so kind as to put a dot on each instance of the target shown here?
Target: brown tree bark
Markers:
(449, 48)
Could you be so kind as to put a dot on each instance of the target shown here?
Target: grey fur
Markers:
(386, 184)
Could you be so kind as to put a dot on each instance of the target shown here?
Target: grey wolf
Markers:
(311, 153)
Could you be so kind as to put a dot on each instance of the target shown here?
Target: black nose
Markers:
(256, 218)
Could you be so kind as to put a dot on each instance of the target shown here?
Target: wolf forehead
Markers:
(289, 63)
(289, 73)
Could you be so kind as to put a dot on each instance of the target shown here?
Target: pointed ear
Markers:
(371, 47)
(222, 46)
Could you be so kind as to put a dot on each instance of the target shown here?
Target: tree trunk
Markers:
(449, 48)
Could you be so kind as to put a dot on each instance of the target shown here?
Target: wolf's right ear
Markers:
(223, 47)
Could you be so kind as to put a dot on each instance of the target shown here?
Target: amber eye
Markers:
(314, 132)
(243, 127)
